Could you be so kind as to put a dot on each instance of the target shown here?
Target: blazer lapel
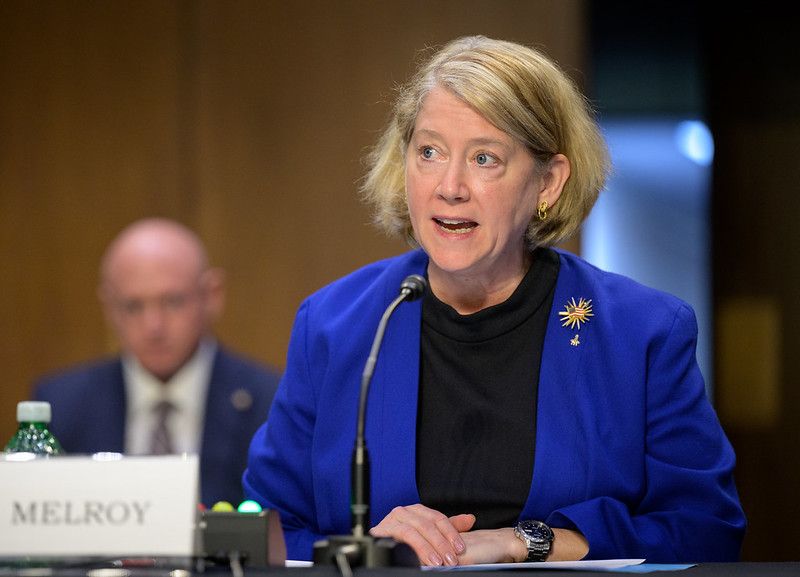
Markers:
(392, 406)
(563, 356)
(113, 420)
(219, 424)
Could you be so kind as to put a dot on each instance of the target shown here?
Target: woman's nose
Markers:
(453, 185)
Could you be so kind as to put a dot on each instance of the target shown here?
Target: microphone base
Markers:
(364, 552)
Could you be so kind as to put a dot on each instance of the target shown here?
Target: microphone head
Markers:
(413, 286)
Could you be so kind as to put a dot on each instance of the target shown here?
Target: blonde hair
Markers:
(522, 92)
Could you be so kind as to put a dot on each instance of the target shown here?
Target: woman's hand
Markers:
(434, 537)
(503, 546)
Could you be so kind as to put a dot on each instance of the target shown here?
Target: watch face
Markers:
(538, 538)
(537, 531)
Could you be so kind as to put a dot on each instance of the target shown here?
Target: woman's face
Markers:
(472, 190)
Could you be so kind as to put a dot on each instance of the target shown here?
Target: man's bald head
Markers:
(154, 238)
(159, 293)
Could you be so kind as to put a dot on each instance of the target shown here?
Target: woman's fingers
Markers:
(463, 523)
(434, 537)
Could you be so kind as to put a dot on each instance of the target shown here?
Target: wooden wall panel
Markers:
(245, 120)
(88, 141)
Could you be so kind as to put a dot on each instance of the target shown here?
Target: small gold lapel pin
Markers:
(574, 314)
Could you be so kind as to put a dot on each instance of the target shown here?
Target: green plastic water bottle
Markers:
(33, 434)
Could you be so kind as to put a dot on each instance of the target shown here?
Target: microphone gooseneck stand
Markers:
(359, 549)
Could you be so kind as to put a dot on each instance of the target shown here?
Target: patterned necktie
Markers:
(161, 444)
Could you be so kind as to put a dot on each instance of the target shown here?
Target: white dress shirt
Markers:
(186, 390)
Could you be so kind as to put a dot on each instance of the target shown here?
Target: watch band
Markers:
(538, 538)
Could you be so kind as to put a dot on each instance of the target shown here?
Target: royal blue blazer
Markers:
(89, 407)
(628, 451)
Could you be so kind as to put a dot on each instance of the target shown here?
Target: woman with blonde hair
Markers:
(529, 406)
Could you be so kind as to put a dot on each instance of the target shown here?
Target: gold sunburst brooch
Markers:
(576, 313)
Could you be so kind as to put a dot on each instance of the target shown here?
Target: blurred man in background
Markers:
(173, 388)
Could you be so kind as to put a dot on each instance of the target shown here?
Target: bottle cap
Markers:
(33, 412)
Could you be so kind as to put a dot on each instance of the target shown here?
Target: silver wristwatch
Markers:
(538, 538)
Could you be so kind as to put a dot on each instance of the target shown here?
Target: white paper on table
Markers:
(593, 565)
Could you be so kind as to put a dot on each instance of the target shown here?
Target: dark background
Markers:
(739, 69)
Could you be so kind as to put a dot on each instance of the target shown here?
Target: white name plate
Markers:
(98, 505)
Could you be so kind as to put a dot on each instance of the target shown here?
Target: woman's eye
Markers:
(485, 159)
(427, 152)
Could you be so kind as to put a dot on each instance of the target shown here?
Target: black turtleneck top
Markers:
(476, 421)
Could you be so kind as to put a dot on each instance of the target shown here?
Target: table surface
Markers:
(66, 568)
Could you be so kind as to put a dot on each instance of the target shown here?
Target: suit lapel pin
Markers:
(574, 314)
(241, 399)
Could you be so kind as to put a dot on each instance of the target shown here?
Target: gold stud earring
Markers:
(541, 211)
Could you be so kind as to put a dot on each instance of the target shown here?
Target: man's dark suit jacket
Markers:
(88, 404)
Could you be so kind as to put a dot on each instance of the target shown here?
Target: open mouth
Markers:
(456, 226)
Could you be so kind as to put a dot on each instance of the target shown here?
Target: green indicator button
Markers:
(249, 507)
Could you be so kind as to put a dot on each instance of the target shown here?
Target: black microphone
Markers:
(413, 286)
(359, 548)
